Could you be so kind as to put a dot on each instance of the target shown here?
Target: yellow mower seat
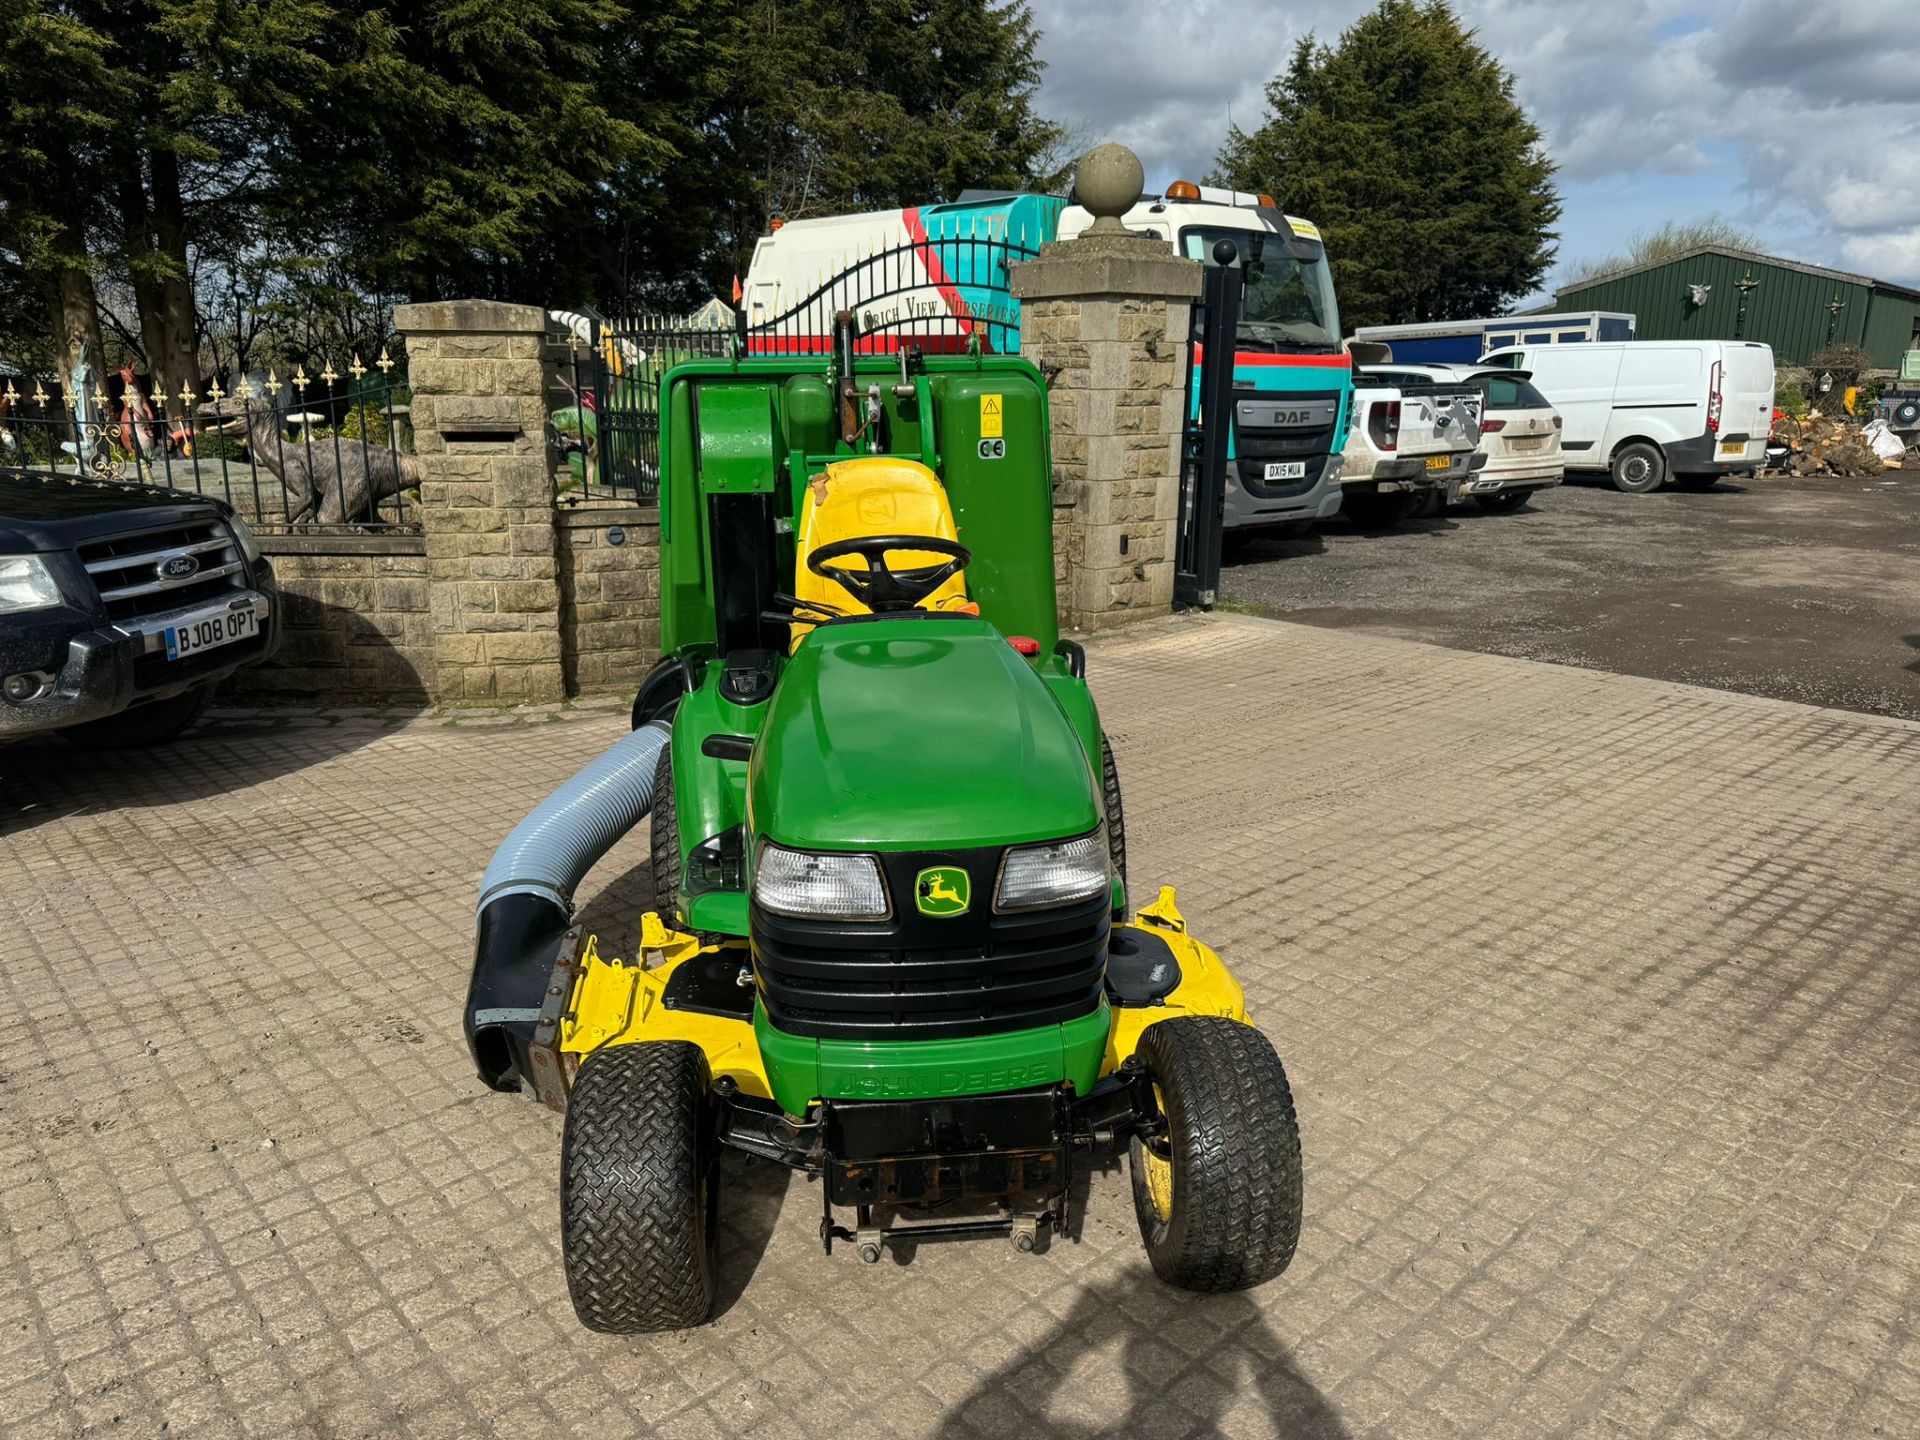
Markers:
(873, 495)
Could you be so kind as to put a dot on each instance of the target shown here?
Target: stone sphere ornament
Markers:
(1107, 185)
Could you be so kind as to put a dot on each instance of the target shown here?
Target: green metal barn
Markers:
(1719, 293)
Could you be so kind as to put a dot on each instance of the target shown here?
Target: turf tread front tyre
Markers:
(636, 1177)
(663, 859)
(1116, 816)
(1235, 1144)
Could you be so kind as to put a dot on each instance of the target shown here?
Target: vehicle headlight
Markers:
(815, 884)
(249, 546)
(1059, 873)
(26, 584)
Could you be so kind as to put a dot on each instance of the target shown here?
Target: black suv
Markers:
(122, 606)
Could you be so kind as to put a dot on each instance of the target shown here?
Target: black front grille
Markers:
(1255, 445)
(1302, 443)
(1254, 449)
(919, 978)
(126, 568)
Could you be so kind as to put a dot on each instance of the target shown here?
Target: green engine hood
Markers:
(915, 735)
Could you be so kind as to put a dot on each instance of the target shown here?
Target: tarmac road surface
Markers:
(1800, 589)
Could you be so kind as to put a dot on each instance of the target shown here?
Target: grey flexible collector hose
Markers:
(550, 851)
(526, 897)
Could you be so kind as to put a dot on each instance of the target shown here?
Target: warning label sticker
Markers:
(990, 416)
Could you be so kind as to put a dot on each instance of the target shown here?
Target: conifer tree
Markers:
(1404, 143)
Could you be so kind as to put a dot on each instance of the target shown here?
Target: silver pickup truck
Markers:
(1409, 445)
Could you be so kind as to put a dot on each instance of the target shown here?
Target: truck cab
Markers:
(1292, 378)
(945, 274)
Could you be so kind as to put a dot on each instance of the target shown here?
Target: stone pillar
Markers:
(478, 374)
(1106, 316)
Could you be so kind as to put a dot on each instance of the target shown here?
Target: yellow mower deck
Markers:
(595, 1002)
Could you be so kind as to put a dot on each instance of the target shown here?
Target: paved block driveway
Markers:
(1598, 994)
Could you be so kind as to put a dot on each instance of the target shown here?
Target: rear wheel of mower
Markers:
(639, 1196)
(1116, 816)
(663, 861)
(1220, 1209)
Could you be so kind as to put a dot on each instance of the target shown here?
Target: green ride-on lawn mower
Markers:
(888, 943)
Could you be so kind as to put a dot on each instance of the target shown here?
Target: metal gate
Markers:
(1209, 432)
(607, 430)
(941, 295)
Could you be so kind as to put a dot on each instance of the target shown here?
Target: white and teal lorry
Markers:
(936, 277)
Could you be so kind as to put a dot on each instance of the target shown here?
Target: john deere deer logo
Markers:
(942, 890)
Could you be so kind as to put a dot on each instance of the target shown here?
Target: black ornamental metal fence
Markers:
(606, 428)
(305, 452)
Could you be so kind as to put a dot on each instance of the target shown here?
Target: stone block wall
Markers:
(609, 596)
(505, 596)
(479, 371)
(357, 626)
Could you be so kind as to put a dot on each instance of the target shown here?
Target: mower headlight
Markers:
(1061, 873)
(26, 584)
(818, 885)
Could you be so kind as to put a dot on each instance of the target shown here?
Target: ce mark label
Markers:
(993, 449)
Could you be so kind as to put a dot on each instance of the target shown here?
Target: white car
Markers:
(1519, 434)
(1649, 410)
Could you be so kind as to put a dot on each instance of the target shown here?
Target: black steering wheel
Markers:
(879, 588)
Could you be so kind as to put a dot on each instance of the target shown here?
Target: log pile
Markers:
(1823, 445)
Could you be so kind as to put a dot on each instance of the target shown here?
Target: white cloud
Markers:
(1803, 124)
(1888, 255)
(1877, 191)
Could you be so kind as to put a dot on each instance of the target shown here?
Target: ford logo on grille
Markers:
(178, 567)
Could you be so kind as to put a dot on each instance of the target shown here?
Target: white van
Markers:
(1646, 411)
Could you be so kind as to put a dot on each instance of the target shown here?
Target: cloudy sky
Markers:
(1797, 121)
